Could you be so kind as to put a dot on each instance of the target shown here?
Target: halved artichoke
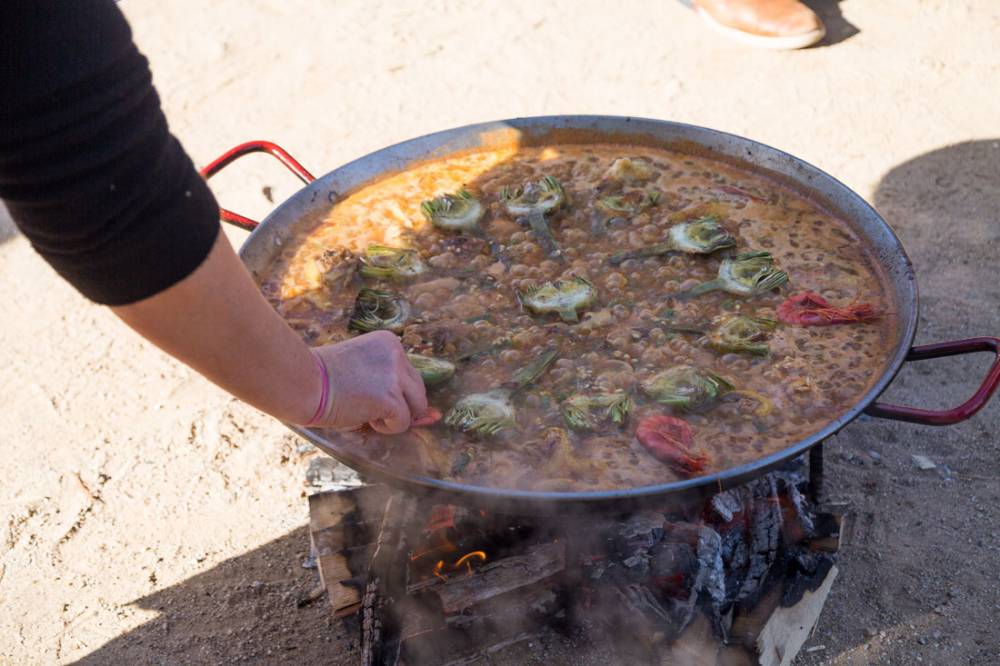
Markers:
(686, 387)
(564, 297)
(434, 371)
(588, 412)
(742, 334)
(390, 263)
(454, 212)
(627, 205)
(534, 201)
(702, 236)
(483, 413)
(490, 412)
(375, 310)
(747, 274)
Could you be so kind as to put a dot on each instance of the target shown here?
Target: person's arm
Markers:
(108, 197)
(217, 322)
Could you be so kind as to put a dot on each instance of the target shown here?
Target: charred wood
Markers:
(480, 629)
(765, 535)
(499, 577)
(386, 582)
(341, 524)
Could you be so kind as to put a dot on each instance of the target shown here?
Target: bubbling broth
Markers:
(594, 316)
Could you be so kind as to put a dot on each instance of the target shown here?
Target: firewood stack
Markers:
(740, 580)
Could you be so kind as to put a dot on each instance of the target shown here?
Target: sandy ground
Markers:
(150, 518)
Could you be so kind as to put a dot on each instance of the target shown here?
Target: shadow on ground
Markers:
(838, 29)
(918, 564)
(945, 206)
(246, 609)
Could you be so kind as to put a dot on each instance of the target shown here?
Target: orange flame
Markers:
(437, 570)
(468, 556)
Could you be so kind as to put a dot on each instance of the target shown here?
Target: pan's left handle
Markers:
(245, 149)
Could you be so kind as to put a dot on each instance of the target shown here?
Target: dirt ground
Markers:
(150, 518)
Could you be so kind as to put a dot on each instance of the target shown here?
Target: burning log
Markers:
(497, 578)
(740, 579)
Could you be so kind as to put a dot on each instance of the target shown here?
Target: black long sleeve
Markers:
(88, 168)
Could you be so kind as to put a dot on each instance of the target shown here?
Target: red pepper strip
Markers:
(669, 440)
(430, 417)
(739, 191)
(811, 309)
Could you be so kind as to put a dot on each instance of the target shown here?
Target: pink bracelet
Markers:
(324, 395)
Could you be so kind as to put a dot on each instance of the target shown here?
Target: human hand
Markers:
(371, 381)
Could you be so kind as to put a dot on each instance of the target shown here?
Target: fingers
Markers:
(415, 395)
(431, 417)
(372, 381)
(414, 374)
(396, 420)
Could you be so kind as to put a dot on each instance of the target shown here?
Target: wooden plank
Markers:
(788, 628)
(330, 536)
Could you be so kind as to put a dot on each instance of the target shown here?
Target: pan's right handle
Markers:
(956, 414)
(245, 149)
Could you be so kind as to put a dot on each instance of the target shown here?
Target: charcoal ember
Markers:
(632, 540)
(642, 530)
(736, 560)
(681, 532)
(765, 537)
(672, 566)
(806, 571)
(727, 504)
(642, 600)
(708, 586)
(802, 511)
(711, 575)
(595, 568)
(638, 564)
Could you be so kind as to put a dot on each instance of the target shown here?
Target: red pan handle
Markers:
(956, 414)
(245, 149)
